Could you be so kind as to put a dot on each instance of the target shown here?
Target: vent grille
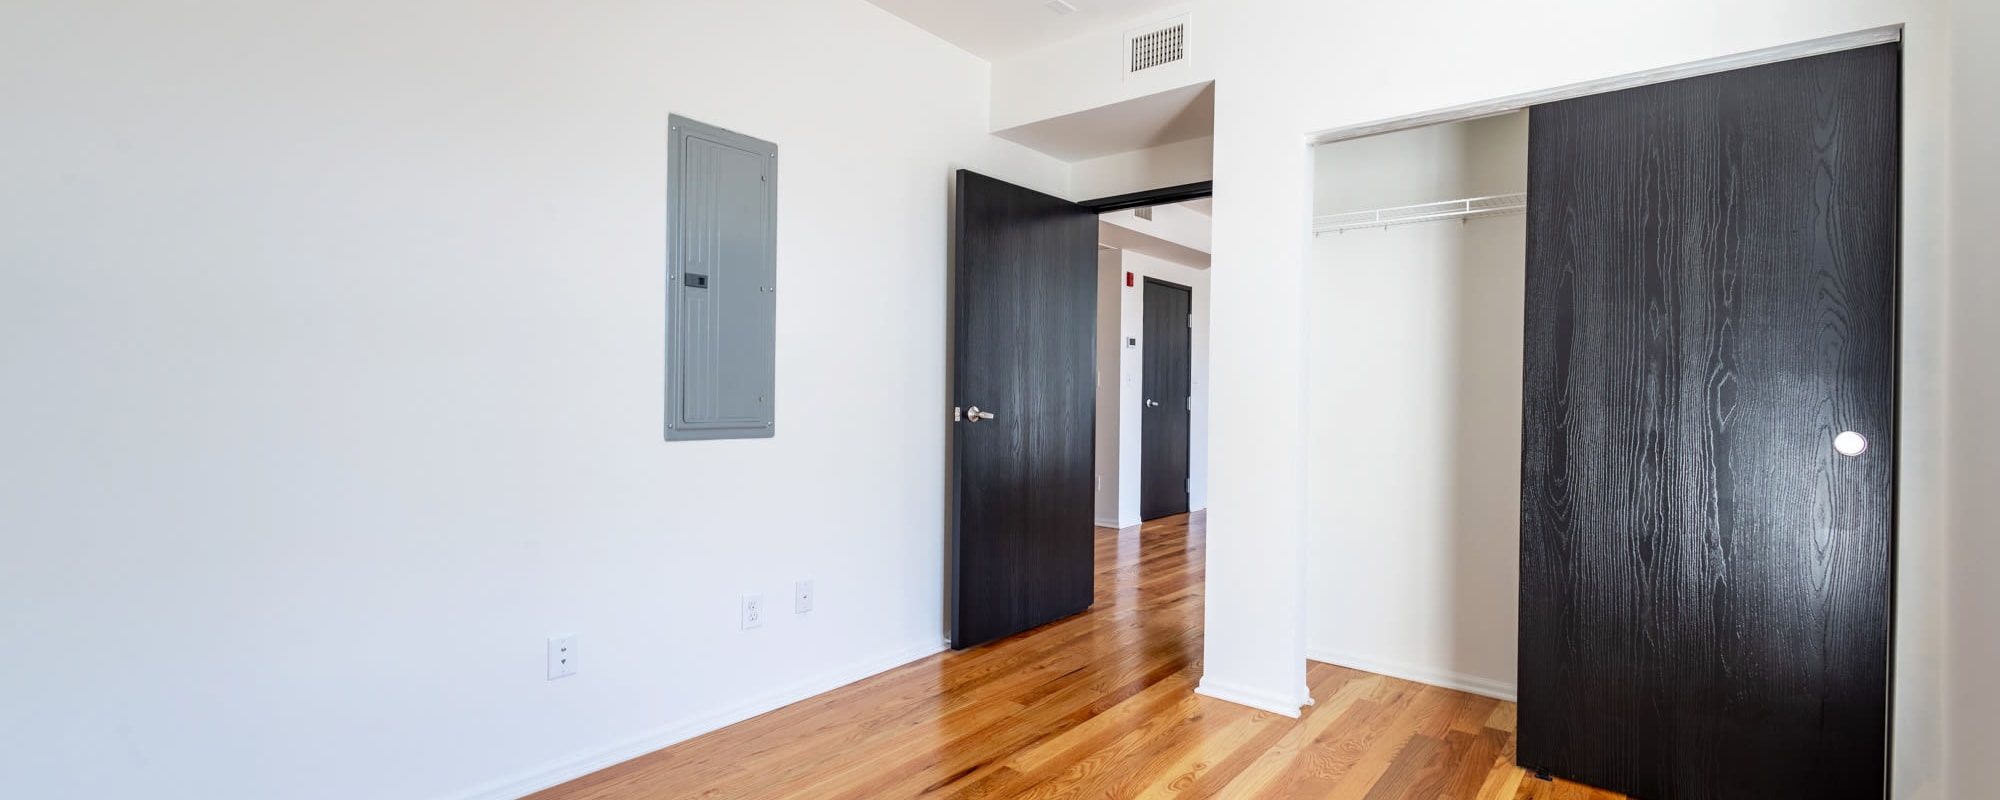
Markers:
(1164, 45)
(1144, 213)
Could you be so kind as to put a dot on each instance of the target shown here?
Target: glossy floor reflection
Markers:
(1100, 705)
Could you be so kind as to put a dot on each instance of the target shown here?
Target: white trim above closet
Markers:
(1495, 107)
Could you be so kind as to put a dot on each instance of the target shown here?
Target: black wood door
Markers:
(1023, 351)
(1168, 344)
(1705, 581)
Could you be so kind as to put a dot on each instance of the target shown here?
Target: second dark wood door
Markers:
(1166, 405)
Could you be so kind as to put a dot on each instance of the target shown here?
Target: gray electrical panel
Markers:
(722, 269)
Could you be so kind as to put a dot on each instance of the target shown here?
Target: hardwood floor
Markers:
(1102, 706)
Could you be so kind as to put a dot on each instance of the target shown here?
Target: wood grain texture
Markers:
(1101, 706)
(1025, 316)
(1705, 583)
(1166, 380)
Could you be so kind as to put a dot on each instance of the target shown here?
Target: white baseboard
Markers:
(1484, 687)
(584, 763)
(1244, 696)
(1107, 523)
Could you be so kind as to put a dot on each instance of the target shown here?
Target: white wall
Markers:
(1110, 386)
(1413, 525)
(1479, 158)
(1973, 604)
(1176, 164)
(331, 338)
(1278, 81)
(1175, 224)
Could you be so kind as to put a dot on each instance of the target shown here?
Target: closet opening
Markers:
(1618, 454)
(1414, 363)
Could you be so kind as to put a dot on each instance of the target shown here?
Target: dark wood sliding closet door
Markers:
(1705, 579)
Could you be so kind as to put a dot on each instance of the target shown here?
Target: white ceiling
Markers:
(1178, 232)
(996, 29)
(1175, 115)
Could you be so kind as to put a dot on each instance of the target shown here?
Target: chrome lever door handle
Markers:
(973, 414)
(1152, 404)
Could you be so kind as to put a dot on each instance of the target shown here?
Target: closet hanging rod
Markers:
(1468, 208)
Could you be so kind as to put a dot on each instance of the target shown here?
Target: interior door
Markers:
(1023, 361)
(1168, 343)
(1706, 567)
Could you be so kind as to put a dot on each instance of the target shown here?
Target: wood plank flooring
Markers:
(1101, 706)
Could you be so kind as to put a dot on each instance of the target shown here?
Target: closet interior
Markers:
(1415, 370)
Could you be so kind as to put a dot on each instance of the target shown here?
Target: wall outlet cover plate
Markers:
(562, 656)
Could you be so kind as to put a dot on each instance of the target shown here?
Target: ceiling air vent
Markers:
(1155, 45)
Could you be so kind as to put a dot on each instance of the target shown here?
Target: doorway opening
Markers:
(1034, 453)
(1152, 360)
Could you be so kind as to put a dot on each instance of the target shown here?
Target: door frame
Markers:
(1151, 197)
(1100, 206)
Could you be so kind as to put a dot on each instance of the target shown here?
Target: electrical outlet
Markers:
(753, 611)
(562, 656)
(802, 597)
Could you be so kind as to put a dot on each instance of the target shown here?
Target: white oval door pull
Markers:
(1850, 444)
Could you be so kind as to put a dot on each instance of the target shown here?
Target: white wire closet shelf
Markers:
(1468, 208)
